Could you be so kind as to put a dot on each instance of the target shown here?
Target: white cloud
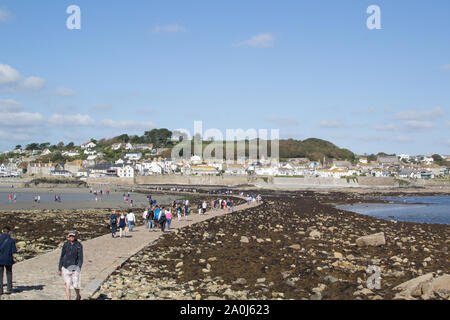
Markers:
(4, 15)
(127, 124)
(263, 40)
(12, 79)
(33, 83)
(10, 105)
(421, 115)
(169, 28)
(21, 119)
(330, 124)
(8, 75)
(77, 120)
(65, 92)
(282, 121)
(417, 124)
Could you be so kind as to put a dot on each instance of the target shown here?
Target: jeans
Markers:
(151, 225)
(113, 229)
(8, 278)
(163, 226)
(130, 225)
(169, 222)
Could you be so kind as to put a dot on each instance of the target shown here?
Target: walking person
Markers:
(7, 250)
(199, 207)
(204, 207)
(169, 217)
(113, 222)
(162, 220)
(70, 264)
(179, 213)
(151, 219)
(122, 225)
(131, 218)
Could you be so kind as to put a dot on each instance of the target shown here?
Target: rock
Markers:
(314, 234)
(244, 239)
(331, 279)
(425, 286)
(240, 281)
(179, 265)
(290, 283)
(376, 239)
(338, 255)
(295, 247)
(261, 280)
(286, 274)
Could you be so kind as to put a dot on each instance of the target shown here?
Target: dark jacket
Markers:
(7, 249)
(71, 255)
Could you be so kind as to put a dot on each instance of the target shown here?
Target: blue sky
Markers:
(308, 68)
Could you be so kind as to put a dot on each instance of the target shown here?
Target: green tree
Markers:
(123, 138)
(32, 146)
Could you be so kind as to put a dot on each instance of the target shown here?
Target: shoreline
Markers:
(292, 247)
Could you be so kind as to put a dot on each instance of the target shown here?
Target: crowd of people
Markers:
(155, 217)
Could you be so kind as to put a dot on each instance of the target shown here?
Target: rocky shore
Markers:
(39, 231)
(294, 246)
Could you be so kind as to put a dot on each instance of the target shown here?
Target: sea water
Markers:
(421, 209)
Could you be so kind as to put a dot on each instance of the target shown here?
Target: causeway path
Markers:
(37, 278)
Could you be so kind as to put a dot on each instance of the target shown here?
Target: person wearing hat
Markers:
(70, 264)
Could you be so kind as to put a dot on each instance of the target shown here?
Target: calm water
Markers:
(435, 209)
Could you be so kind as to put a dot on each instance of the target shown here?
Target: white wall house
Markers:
(133, 156)
(116, 146)
(125, 171)
(266, 171)
(236, 169)
(88, 145)
(71, 153)
(61, 173)
(90, 152)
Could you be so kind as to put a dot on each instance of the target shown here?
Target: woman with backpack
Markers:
(122, 224)
(113, 221)
(162, 220)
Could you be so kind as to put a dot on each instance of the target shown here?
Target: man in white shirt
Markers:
(204, 206)
(131, 218)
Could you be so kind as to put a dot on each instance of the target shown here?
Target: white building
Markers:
(125, 171)
(235, 170)
(88, 145)
(61, 173)
(133, 156)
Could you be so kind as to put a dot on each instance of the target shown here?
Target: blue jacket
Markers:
(7, 249)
